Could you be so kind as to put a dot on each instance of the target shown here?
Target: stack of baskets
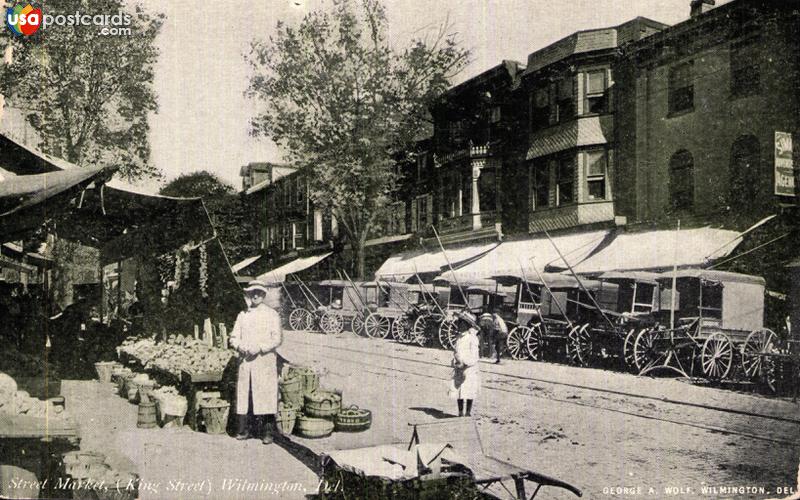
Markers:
(312, 412)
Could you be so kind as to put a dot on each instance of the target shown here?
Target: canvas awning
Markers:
(512, 258)
(278, 275)
(589, 131)
(658, 251)
(245, 263)
(403, 266)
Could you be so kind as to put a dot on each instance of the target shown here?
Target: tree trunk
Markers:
(359, 257)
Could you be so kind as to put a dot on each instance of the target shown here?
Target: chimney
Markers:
(701, 7)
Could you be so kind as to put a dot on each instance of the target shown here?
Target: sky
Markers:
(201, 76)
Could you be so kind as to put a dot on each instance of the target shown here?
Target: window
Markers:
(487, 190)
(287, 235)
(681, 180)
(397, 218)
(300, 189)
(596, 167)
(494, 114)
(643, 297)
(595, 92)
(299, 235)
(422, 165)
(456, 130)
(745, 70)
(565, 181)
(540, 179)
(681, 88)
(287, 193)
(745, 173)
(423, 212)
(564, 99)
(318, 225)
(540, 108)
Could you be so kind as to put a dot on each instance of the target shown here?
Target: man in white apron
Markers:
(256, 335)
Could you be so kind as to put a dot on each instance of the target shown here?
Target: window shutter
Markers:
(414, 216)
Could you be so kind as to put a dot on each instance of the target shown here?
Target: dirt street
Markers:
(611, 434)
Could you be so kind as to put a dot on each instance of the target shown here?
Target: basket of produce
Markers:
(322, 404)
(286, 417)
(310, 427)
(104, 369)
(214, 413)
(84, 464)
(122, 382)
(308, 377)
(353, 419)
(291, 389)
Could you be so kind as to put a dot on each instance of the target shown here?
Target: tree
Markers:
(88, 95)
(345, 105)
(227, 210)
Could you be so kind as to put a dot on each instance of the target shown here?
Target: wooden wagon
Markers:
(546, 312)
(715, 328)
(627, 302)
(474, 295)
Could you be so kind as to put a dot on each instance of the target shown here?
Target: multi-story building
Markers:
(699, 105)
(460, 176)
(567, 89)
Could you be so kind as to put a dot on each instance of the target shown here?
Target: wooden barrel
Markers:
(147, 415)
(314, 428)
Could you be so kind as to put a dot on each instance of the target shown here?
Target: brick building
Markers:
(700, 103)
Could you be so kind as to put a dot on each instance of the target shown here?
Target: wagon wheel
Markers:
(627, 350)
(756, 361)
(447, 334)
(377, 326)
(516, 342)
(309, 319)
(298, 319)
(331, 322)
(645, 352)
(400, 329)
(357, 325)
(579, 345)
(419, 331)
(534, 342)
(717, 356)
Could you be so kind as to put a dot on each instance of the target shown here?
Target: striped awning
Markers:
(588, 131)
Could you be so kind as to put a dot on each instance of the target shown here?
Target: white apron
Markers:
(466, 383)
(256, 330)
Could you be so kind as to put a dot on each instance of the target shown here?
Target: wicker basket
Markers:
(309, 427)
(322, 404)
(286, 417)
(291, 389)
(215, 415)
(353, 419)
(309, 378)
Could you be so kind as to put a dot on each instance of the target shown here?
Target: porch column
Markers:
(476, 200)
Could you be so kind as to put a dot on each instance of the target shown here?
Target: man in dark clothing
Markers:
(494, 328)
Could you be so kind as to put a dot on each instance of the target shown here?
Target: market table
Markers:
(37, 444)
(199, 386)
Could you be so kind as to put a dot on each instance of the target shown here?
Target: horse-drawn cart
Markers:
(715, 328)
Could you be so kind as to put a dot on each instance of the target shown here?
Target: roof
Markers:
(278, 275)
(403, 266)
(592, 40)
(713, 275)
(638, 276)
(658, 250)
(584, 131)
(245, 263)
(446, 278)
(507, 68)
(532, 254)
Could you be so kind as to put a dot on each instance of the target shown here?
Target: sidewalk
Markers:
(181, 463)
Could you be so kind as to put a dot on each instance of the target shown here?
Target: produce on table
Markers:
(16, 402)
(178, 354)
